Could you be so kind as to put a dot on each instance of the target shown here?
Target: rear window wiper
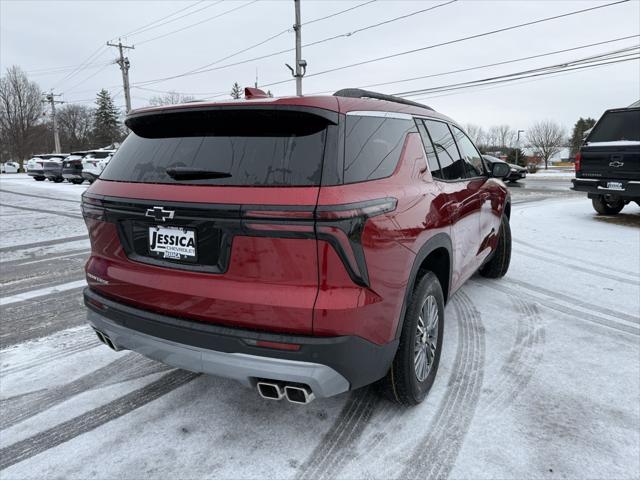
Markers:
(190, 173)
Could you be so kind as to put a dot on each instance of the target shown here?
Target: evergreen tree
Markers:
(581, 126)
(511, 157)
(106, 126)
(236, 91)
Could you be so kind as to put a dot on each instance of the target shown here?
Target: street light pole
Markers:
(518, 145)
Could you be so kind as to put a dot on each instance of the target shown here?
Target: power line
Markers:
(510, 83)
(197, 23)
(457, 40)
(304, 24)
(203, 69)
(488, 65)
(144, 27)
(521, 75)
(101, 50)
(68, 90)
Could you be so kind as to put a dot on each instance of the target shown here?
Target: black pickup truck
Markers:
(608, 164)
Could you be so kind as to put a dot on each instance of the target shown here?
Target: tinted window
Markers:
(373, 146)
(471, 156)
(434, 166)
(257, 148)
(453, 167)
(615, 126)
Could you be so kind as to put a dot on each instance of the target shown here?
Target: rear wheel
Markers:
(415, 365)
(607, 207)
(77, 181)
(498, 265)
(58, 180)
(38, 179)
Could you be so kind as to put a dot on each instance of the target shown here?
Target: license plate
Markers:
(614, 186)
(174, 243)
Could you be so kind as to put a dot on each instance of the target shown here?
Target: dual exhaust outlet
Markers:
(295, 393)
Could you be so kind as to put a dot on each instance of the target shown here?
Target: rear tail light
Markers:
(578, 161)
(340, 225)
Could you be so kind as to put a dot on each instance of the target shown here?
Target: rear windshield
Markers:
(256, 148)
(616, 126)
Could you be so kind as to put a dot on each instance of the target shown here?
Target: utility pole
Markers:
(50, 98)
(301, 65)
(518, 145)
(124, 66)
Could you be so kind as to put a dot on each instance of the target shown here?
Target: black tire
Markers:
(498, 265)
(77, 181)
(603, 207)
(402, 383)
(39, 179)
(58, 180)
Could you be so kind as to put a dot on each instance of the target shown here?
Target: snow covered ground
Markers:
(540, 373)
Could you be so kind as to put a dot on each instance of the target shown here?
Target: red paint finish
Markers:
(301, 284)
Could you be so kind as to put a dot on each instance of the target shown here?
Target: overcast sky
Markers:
(40, 36)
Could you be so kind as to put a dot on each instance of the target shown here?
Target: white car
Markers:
(94, 162)
(35, 166)
(10, 167)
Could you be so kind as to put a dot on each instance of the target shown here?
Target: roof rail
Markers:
(359, 93)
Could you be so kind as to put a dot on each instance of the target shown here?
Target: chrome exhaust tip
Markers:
(299, 394)
(106, 340)
(270, 391)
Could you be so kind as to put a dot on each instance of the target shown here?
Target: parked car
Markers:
(608, 164)
(35, 165)
(52, 170)
(304, 246)
(72, 168)
(10, 167)
(516, 172)
(94, 162)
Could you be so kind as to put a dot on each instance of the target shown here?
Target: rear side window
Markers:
(434, 166)
(373, 146)
(255, 147)
(616, 126)
(470, 155)
(453, 167)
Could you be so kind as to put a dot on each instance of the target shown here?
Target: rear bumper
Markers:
(72, 175)
(328, 365)
(596, 187)
(516, 175)
(89, 176)
(35, 173)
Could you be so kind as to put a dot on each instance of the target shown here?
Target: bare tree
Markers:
(546, 138)
(505, 136)
(170, 98)
(475, 132)
(20, 111)
(75, 123)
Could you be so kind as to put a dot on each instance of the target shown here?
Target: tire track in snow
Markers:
(44, 243)
(128, 367)
(77, 202)
(93, 419)
(336, 447)
(522, 361)
(575, 301)
(578, 314)
(560, 255)
(579, 268)
(41, 210)
(83, 341)
(436, 453)
(41, 317)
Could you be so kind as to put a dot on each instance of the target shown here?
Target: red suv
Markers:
(305, 246)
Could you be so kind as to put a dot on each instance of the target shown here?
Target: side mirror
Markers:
(500, 170)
